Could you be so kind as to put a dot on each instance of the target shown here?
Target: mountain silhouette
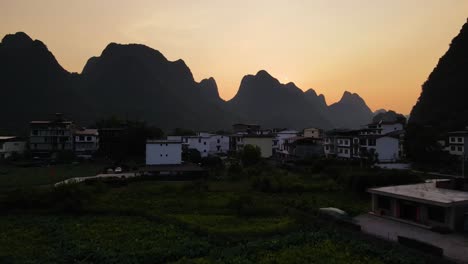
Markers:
(134, 81)
(442, 103)
(350, 112)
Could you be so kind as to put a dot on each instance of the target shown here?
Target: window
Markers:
(327, 148)
(204, 143)
(460, 148)
(452, 139)
(371, 142)
(35, 132)
(452, 148)
(459, 139)
(89, 138)
(166, 155)
(199, 140)
(160, 155)
(81, 138)
(204, 150)
(218, 141)
(345, 151)
(436, 213)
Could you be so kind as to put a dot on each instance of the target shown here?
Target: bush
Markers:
(250, 155)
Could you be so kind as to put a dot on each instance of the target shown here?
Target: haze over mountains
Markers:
(136, 82)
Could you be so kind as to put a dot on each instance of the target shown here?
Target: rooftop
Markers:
(424, 192)
(163, 141)
(87, 132)
(7, 138)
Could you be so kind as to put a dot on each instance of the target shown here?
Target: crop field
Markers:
(270, 217)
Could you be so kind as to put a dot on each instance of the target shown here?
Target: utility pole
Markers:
(463, 164)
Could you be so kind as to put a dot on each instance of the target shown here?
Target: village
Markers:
(432, 212)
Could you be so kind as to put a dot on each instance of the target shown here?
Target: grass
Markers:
(12, 177)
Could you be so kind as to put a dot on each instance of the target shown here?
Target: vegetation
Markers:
(255, 214)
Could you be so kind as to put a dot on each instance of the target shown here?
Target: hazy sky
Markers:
(383, 50)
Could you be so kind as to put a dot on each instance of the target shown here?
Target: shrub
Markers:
(250, 155)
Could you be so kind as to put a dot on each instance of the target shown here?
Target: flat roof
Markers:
(425, 193)
(163, 141)
(7, 138)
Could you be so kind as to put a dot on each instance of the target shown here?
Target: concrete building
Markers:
(341, 143)
(86, 142)
(457, 143)
(205, 143)
(280, 140)
(304, 147)
(11, 145)
(264, 142)
(47, 137)
(313, 133)
(163, 152)
(430, 204)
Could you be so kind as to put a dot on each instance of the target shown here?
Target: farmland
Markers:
(262, 215)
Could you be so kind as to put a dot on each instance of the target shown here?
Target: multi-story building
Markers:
(313, 133)
(47, 137)
(457, 143)
(382, 141)
(163, 152)
(205, 143)
(86, 142)
(11, 145)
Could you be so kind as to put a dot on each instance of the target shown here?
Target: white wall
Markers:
(387, 149)
(283, 135)
(218, 144)
(163, 153)
(202, 144)
(10, 147)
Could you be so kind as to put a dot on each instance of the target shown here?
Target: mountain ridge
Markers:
(136, 81)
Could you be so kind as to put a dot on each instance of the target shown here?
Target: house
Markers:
(264, 142)
(304, 147)
(457, 143)
(312, 133)
(163, 152)
(383, 141)
(47, 137)
(434, 203)
(11, 145)
(280, 140)
(86, 142)
(341, 143)
(386, 148)
(205, 143)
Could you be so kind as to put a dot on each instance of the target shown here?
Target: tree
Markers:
(192, 155)
(250, 155)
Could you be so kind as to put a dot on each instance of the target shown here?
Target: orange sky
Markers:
(382, 50)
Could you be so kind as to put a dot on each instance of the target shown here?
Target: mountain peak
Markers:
(264, 73)
(19, 38)
(353, 98)
(210, 88)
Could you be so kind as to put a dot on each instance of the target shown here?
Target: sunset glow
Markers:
(382, 50)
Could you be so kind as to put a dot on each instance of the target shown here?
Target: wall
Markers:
(387, 149)
(12, 146)
(163, 153)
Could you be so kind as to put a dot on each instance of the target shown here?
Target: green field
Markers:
(265, 217)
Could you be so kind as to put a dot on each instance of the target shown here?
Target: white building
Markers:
(458, 140)
(11, 145)
(205, 143)
(86, 142)
(281, 137)
(163, 152)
